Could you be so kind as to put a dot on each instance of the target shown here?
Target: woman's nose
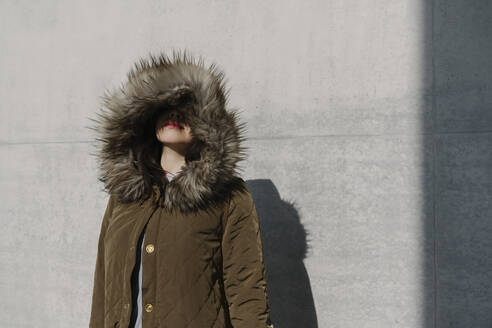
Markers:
(174, 115)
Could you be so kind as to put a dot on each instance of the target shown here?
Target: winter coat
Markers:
(203, 262)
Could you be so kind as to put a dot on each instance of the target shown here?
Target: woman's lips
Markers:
(173, 125)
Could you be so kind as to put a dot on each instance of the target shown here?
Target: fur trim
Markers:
(155, 85)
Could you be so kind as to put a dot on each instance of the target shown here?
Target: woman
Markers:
(180, 242)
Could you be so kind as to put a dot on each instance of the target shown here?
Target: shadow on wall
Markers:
(459, 78)
(285, 247)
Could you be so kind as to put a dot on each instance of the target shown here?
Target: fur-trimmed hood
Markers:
(125, 128)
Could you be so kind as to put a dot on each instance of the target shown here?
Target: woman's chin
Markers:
(173, 139)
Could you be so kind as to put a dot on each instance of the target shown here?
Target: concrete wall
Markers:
(370, 126)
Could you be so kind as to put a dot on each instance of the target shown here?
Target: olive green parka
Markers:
(203, 264)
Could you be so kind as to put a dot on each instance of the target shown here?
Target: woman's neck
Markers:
(172, 159)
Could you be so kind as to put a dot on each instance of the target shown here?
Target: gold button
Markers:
(148, 307)
(149, 248)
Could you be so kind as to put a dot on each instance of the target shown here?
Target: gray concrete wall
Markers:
(370, 127)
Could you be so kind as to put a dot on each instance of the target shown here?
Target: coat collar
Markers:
(126, 141)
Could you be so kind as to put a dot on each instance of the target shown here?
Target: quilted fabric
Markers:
(205, 267)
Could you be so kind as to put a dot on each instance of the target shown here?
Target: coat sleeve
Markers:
(97, 307)
(244, 272)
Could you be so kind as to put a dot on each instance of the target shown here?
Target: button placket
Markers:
(149, 278)
(146, 212)
(130, 261)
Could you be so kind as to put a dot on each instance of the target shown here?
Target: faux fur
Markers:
(155, 84)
